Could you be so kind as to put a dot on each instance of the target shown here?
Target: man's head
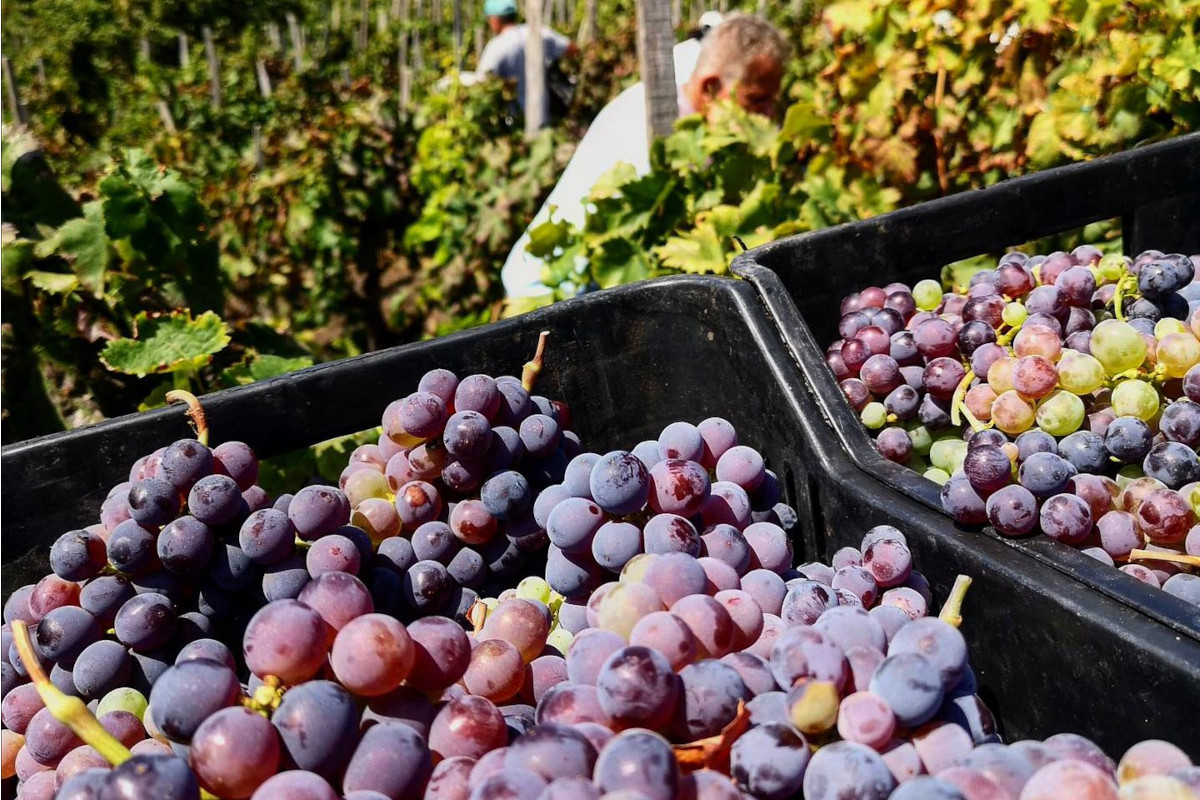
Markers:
(742, 59)
(500, 14)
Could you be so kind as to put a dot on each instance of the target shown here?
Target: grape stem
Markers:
(195, 412)
(952, 611)
(958, 407)
(1151, 555)
(70, 711)
(477, 615)
(533, 368)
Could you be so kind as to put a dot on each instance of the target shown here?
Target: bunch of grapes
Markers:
(1057, 394)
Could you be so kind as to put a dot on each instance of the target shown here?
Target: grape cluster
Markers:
(1056, 394)
(708, 667)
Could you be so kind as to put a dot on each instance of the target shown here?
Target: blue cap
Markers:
(499, 8)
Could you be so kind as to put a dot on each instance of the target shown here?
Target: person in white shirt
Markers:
(504, 55)
(741, 58)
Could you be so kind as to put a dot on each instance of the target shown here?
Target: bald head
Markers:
(737, 41)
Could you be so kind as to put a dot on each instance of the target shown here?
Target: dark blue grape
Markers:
(1086, 451)
(100, 668)
(468, 435)
(540, 435)
(903, 401)
(131, 548)
(426, 586)
(145, 622)
(1034, 441)
(769, 760)
(78, 555)
(911, 685)
(267, 536)
(216, 500)
(153, 502)
(434, 541)
(188, 693)
(1180, 422)
(184, 463)
(318, 725)
(392, 759)
(1172, 463)
(185, 545)
(1128, 439)
(467, 568)
(209, 649)
(1159, 279)
(934, 414)
(507, 495)
(987, 468)
(1045, 474)
(151, 776)
(578, 473)
(285, 580)
(396, 553)
(103, 596)
(64, 633)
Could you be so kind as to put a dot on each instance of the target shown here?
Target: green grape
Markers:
(921, 439)
(1110, 268)
(927, 294)
(948, 454)
(534, 588)
(1194, 499)
(1118, 346)
(1014, 314)
(1177, 353)
(1128, 474)
(874, 415)
(938, 476)
(123, 699)
(1134, 398)
(1060, 413)
(1169, 325)
(1080, 373)
(560, 639)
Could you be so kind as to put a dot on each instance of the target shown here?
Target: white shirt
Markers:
(617, 134)
(504, 57)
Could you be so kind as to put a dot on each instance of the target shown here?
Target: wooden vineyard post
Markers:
(15, 107)
(185, 54)
(458, 34)
(274, 36)
(214, 67)
(164, 113)
(335, 15)
(41, 72)
(381, 21)
(676, 13)
(264, 80)
(364, 25)
(535, 69)
(479, 43)
(587, 30)
(297, 41)
(144, 49)
(258, 147)
(405, 88)
(655, 40)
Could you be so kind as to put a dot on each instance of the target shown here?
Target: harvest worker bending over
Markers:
(741, 59)
(504, 55)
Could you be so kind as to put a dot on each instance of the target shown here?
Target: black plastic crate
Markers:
(1049, 654)
(1155, 190)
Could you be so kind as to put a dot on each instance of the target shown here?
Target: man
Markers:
(740, 58)
(504, 55)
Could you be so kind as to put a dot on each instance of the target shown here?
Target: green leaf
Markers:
(125, 208)
(53, 282)
(549, 236)
(168, 343)
(695, 252)
(262, 366)
(803, 124)
(83, 242)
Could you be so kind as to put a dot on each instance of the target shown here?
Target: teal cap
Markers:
(499, 8)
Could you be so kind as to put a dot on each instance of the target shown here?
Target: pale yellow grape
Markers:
(874, 415)
(1080, 373)
(921, 440)
(1110, 268)
(948, 454)
(1169, 325)
(1060, 413)
(1135, 398)
(534, 588)
(1014, 314)
(366, 483)
(122, 699)
(1177, 353)
(938, 476)
(1118, 346)
(560, 639)
(927, 294)
(1011, 413)
(625, 605)
(999, 375)
(636, 568)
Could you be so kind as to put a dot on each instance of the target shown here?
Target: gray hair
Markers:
(738, 40)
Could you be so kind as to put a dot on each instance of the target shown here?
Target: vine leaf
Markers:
(167, 343)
